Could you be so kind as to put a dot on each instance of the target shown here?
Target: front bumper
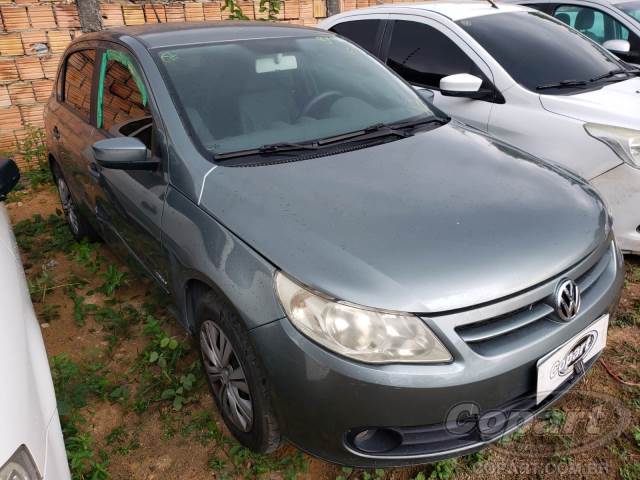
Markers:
(322, 400)
(620, 187)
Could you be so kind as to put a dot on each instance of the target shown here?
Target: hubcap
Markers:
(68, 205)
(226, 376)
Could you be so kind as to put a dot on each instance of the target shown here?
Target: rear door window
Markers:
(78, 78)
(423, 56)
(365, 33)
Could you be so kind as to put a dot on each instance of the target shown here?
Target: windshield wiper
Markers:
(563, 84)
(377, 130)
(268, 149)
(611, 73)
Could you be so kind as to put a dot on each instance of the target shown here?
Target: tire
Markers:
(80, 228)
(235, 376)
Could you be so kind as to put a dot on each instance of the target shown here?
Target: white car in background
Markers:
(615, 24)
(31, 443)
(523, 77)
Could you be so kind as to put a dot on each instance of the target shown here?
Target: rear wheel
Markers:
(234, 374)
(79, 226)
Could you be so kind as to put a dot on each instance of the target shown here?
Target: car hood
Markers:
(28, 402)
(442, 220)
(615, 104)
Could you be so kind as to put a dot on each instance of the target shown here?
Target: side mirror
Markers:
(463, 85)
(617, 46)
(123, 153)
(9, 177)
(425, 94)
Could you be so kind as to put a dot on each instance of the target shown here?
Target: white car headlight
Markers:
(20, 466)
(366, 335)
(624, 141)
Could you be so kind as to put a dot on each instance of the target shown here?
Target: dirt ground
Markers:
(134, 404)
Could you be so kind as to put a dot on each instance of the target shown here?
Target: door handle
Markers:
(94, 170)
(56, 133)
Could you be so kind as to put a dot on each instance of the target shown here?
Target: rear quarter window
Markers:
(361, 32)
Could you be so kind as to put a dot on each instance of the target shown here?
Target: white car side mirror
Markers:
(460, 83)
(617, 46)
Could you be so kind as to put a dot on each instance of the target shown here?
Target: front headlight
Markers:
(20, 466)
(367, 335)
(624, 141)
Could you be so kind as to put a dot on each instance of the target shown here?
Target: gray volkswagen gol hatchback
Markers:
(367, 278)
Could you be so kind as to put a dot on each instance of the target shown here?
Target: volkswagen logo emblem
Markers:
(567, 299)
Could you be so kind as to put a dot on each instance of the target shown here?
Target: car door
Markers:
(71, 130)
(129, 203)
(599, 25)
(424, 51)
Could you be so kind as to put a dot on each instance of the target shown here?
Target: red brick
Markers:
(7, 143)
(193, 12)
(21, 93)
(11, 44)
(29, 68)
(50, 66)
(319, 8)
(212, 11)
(15, 18)
(291, 9)
(42, 89)
(5, 100)
(41, 16)
(29, 39)
(8, 71)
(33, 115)
(10, 119)
(111, 15)
(175, 13)
(67, 16)
(59, 40)
(133, 14)
(154, 13)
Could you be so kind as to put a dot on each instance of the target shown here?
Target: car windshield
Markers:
(241, 95)
(630, 8)
(541, 53)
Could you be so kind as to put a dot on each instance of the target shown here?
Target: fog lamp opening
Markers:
(377, 440)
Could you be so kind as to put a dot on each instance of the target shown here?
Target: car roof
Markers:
(185, 33)
(454, 10)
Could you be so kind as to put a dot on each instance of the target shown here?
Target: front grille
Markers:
(493, 335)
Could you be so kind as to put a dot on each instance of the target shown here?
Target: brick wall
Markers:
(34, 34)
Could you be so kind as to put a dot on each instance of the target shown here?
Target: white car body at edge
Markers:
(28, 412)
(548, 126)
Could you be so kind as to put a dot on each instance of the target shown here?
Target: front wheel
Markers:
(234, 374)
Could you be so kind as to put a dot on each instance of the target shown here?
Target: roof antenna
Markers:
(493, 4)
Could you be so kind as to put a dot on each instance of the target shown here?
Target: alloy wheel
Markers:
(226, 376)
(68, 206)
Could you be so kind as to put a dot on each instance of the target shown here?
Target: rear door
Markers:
(71, 130)
(129, 203)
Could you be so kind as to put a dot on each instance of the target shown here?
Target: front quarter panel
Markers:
(202, 249)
